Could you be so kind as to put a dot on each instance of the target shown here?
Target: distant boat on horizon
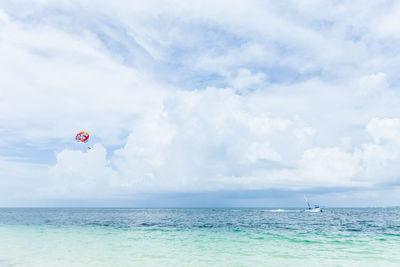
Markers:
(316, 208)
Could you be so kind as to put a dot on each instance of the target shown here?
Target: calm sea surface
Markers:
(199, 237)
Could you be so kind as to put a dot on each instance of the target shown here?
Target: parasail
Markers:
(82, 137)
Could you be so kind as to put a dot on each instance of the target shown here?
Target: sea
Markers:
(199, 237)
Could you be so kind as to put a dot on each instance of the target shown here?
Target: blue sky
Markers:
(199, 103)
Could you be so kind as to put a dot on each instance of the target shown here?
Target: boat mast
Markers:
(308, 204)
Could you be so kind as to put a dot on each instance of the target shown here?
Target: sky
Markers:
(200, 103)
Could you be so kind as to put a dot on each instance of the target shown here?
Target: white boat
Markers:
(310, 209)
(315, 209)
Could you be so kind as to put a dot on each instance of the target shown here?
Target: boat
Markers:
(316, 208)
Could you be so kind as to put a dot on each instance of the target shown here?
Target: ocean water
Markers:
(199, 237)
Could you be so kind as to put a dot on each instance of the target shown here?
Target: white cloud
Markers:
(370, 164)
(58, 83)
(21, 180)
(200, 140)
(329, 167)
(246, 80)
(384, 129)
(261, 151)
(78, 173)
(275, 104)
(387, 25)
(372, 84)
(4, 17)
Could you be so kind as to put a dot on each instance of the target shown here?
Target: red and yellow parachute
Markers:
(82, 137)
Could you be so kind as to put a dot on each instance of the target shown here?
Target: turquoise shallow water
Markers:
(199, 237)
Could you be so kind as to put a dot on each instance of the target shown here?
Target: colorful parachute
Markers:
(82, 137)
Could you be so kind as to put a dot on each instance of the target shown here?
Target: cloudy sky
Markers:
(200, 103)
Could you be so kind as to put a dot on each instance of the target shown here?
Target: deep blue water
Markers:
(363, 220)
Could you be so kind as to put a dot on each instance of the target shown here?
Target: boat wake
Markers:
(282, 210)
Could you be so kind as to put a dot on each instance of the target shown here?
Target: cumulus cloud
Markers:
(77, 172)
(202, 140)
(384, 129)
(192, 155)
(372, 163)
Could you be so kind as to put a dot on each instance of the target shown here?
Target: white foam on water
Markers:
(283, 210)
